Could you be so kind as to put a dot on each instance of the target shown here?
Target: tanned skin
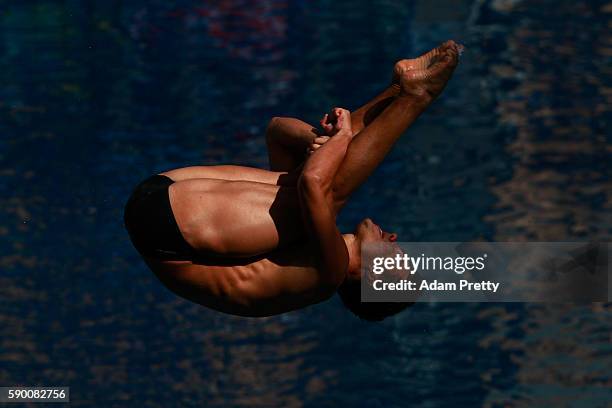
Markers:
(267, 240)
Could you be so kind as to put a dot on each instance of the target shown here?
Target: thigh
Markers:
(235, 218)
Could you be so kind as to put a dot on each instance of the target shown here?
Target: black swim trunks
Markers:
(151, 224)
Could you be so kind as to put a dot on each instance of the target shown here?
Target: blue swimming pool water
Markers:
(96, 95)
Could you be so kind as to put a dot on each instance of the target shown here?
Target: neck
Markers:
(354, 253)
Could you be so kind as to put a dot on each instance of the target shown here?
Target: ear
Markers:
(353, 271)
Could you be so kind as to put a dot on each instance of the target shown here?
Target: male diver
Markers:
(255, 242)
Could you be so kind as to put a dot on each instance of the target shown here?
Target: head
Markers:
(368, 231)
(350, 290)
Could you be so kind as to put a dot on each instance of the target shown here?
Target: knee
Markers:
(275, 122)
(271, 128)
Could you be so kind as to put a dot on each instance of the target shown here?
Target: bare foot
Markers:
(428, 74)
(422, 62)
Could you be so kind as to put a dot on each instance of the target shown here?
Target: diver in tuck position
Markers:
(256, 242)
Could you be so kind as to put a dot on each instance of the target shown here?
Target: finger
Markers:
(340, 119)
(332, 116)
(321, 139)
(323, 120)
(342, 113)
(315, 146)
(325, 124)
(327, 128)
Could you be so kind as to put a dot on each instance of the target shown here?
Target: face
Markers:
(367, 231)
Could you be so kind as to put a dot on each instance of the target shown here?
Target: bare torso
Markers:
(254, 286)
(236, 218)
(251, 243)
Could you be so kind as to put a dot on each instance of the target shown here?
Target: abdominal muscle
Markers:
(262, 286)
(236, 218)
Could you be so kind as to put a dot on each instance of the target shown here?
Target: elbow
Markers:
(272, 129)
(310, 182)
(273, 122)
(311, 179)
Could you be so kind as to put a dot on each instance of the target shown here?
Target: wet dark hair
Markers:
(350, 293)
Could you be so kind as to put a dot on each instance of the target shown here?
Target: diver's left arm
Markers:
(315, 191)
(287, 140)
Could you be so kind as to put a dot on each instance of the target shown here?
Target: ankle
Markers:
(416, 95)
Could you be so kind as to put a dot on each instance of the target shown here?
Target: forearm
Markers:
(287, 140)
(290, 132)
(320, 224)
